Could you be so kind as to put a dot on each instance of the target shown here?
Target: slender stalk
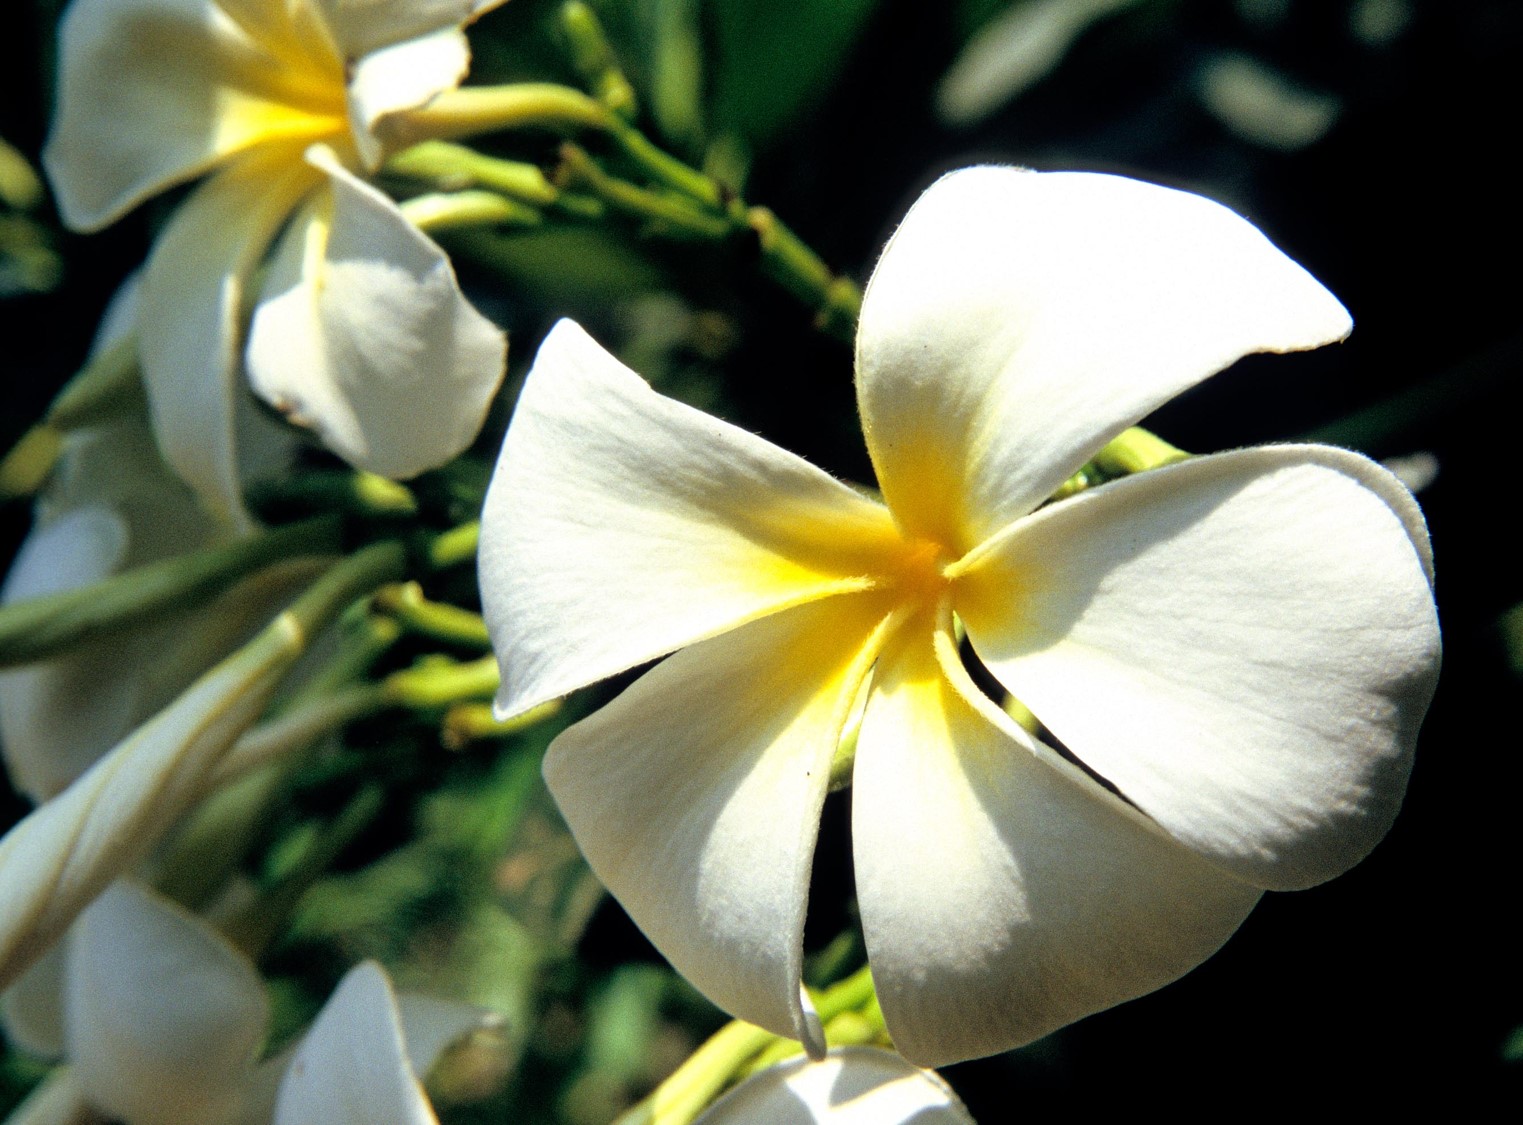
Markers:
(34, 629)
(438, 620)
(473, 110)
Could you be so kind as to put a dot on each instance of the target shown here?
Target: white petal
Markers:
(110, 504)
(352, 1069)
(164, 1016)
(362, 333)
(431, 1026)
(59, 857)
(189, 323)
(400, 77)
(1003, 893)
(1244, 644)
(154, 92)
(853, 1086)
(621, 525)
(364, 26)
(696, 796)
(1018, 320)
(58, 717)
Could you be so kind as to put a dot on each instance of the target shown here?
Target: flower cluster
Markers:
(359, 328)
(1091, 700)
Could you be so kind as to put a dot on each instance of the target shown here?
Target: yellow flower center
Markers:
(918, 572)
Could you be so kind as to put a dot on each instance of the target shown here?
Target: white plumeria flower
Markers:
(1243, 645)
(850, 1086)
(360, 330)
(111, 504)
(160, 1021)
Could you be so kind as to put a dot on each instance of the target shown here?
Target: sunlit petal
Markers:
(193, 297)
(164, 1016)
(364, 26)
(1003, 893)
(696, 795)
(399, 77)
(852, 1086)
(362, 334)
(352, 1068)
(621, 525)
(1244, 644)
(154, 92)
(1018, 320)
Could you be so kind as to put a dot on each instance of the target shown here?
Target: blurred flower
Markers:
(1234, 652)
(111, 504)
(360, 330)
(161, 1021)
(850, 1086)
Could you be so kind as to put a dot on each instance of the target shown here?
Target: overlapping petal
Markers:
(193, 297)
(363, 26)
(696, 796)
(362, 334)
(621, 525)
(155, 92)
(352, 1068)
(1244, 644)
(851, 1086)
(402, 76)
(1033, 898)
(1019, 320)
(164, 1017)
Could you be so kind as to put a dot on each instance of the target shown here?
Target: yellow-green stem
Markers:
(442, 622)
(472, 110)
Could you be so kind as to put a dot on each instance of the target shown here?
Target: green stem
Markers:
(255, 926)
(452, 167)
(349, 491)
(441, 211)
(37, 628)
(675, 213)
(793, 265)
(298, 728)
(737, 1048)
(594, 59)
(699, 1080)
(472, 110)
(437, 682)
(1136, 450)
(455, 546)
(470, 721)
(442, 622)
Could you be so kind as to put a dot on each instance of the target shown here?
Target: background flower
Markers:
(360, 331)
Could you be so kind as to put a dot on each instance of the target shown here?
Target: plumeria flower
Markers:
(161, 1022)
(850, 1086)
(1233, 654)
(112, 504)
(359, 328)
